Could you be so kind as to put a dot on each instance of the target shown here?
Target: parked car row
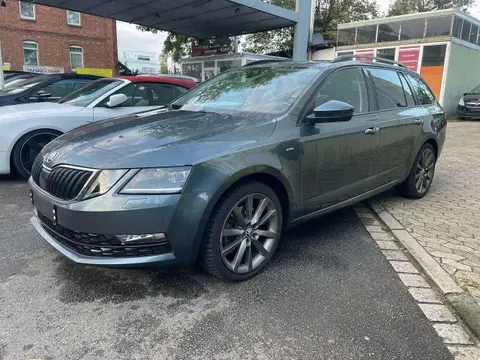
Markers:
(217, 175)
(28, 127)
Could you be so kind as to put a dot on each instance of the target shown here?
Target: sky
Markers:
(129, 38)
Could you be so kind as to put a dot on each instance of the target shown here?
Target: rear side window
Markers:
(408, 91)
(390, 93)
(422, 92)
(345, 85)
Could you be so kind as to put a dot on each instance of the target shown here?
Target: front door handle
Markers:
(371, 131)
(418, 121)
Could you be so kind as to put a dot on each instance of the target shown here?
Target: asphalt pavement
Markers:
(328, 294)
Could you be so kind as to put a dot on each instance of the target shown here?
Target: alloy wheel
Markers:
(249, 233)
(424, 171)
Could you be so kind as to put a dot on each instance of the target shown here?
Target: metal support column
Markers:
(2, 79)
(302, 30)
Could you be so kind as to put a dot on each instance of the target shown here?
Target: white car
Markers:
(25, 129)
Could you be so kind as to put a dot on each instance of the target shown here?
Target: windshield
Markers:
(88, 94)
(24, 84)
(249, 90)
(476, 90)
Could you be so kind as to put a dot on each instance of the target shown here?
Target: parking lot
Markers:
(328, 294)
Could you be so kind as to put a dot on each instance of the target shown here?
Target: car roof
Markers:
(325, 64)
(160, 79)
(77, 76)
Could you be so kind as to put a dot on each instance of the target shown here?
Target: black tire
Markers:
(36, 140)
(211, 258)
(409, 188)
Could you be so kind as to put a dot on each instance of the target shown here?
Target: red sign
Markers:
(367, 52)
(409, 56)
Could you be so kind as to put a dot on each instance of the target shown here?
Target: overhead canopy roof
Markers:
(197, 18)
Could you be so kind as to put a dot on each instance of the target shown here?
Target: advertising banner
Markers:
(47, 70)
(409, 56)
(95, 71)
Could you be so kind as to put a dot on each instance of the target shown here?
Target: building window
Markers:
(438, 26)
(346, 37)
(466, 30)
(27, 10)
(457, 27)
(412, 29)
(388, 54)
(473, 34)
(30, 53)
(73, 18)
(76, 57)
(388, 31)
(367, 34)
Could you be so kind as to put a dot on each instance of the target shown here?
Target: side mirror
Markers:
(331, 111)
(465, 94)
(116, 100)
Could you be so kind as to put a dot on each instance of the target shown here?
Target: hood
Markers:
(471, 97)
(27, 111)
(158, 138)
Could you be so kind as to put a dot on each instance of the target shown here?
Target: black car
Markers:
(469, 105)
(43, 88)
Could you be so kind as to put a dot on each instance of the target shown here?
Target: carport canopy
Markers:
(196, 18)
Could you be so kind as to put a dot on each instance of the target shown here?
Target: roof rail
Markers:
(266, 61)
(360, 56)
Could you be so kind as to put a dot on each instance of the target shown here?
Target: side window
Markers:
(346, 85)
(164, 94)
(423, 93)
(128, 91)
(80, 83)
(408, 90)
(390, 93)
(59, 89)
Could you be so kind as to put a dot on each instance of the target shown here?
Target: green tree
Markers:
(401, 7)
(163, 60)
(175, 46)
(327, 14)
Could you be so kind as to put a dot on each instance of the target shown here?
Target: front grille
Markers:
(37, 168)
(95, 245)
(66, 183)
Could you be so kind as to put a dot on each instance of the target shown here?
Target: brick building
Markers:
(35, 35)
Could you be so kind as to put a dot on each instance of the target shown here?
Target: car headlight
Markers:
(104, 182)
(461, 102)
(158, 181)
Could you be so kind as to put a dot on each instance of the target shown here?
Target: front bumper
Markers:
(464, 112)
(179, 216)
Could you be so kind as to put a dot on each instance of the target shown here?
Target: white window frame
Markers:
(23, 49)
(79, 18)
(20, 11)
(70, 53)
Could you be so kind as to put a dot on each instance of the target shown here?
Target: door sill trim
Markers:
(345, 203)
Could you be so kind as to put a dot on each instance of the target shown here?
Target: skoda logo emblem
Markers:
(51, 157)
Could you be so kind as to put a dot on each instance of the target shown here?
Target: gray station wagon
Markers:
(216, 176)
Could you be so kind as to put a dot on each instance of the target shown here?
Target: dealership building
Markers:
(443, 46)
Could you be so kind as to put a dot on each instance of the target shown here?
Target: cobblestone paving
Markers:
(447, 221)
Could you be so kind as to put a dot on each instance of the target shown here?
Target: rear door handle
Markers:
(371, 131)
(418, 121)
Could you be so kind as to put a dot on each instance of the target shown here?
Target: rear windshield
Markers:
(25, 84)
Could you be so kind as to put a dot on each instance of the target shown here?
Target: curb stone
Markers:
(451, 330)
(465, 306)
